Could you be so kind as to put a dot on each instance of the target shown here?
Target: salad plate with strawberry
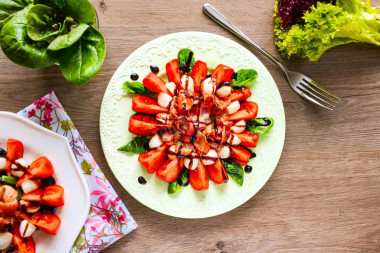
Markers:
(44, 199)
(210, 118)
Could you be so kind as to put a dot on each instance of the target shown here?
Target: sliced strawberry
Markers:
(143, 124)
(173, 72)
(248, 139)
(156, 84)
(152, 160)
(217, 172)
(169, 170)
(240, 94)
(198, 178)
(148, 105)
(198, 74)
(240, 155)
(222, 73)
(247, 111)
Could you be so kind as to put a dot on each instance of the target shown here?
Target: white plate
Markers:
(39, 141)
(116, 110)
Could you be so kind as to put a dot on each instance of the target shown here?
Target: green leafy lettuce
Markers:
(137, 145)
(245, 77)
(326, 26)
(235, 171)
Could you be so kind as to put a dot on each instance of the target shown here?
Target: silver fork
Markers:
(301, 84)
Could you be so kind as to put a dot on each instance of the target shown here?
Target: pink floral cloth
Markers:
(109, 219)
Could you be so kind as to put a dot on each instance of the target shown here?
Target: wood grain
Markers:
(331, 160)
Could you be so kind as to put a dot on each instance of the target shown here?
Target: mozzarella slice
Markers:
(5, 240)
(3, 162)
(239, 127)
(27, 228)
(187, 83)
(208, 87)
(224, 152)
(210, 158)
(224, 91)
(233, 140)
(29, 186)
(233, 107)
(171, 86)
(194, 164)
(22, 162)
(164, 99)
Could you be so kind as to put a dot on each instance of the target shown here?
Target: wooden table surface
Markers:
(325, 193)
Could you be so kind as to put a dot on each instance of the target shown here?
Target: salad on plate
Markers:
(29, 198)
(197, 126)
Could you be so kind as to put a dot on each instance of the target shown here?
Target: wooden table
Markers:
(325, 193)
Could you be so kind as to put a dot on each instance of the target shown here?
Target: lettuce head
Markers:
(327, 25)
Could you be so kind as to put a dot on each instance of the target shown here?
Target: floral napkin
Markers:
(109, 219)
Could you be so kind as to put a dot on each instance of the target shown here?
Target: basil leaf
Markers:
(174, 186)
(260, 125)
(9, 7)
(19, 48)
(185, 63)
(8, 180)
(245, 77)
(67, 40)
(41, 23)
(81, 11)
(137, 88)
(235, 171)
(83, 60)
(136, 145)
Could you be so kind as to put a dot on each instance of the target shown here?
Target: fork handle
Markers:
(218, 17)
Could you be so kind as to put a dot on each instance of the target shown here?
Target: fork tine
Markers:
(308, 97)
(314, 84)
(311, 89)
(309, 92)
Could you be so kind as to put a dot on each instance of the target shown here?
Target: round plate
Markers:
(116, 110)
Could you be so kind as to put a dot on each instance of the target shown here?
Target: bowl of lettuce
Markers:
(308, 28)
(41, 33)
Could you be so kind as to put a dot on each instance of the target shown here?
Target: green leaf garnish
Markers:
(235, 171)
(245, 77)
(137, 88)
(260, 125)
(136, 145)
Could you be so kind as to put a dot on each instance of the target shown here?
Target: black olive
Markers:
(141, 180)
(248, 169)
(47, 182)
(48, 209)
(3, 153)
(134, 76)
(154, 69)
(234, 76)
(209, 75)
